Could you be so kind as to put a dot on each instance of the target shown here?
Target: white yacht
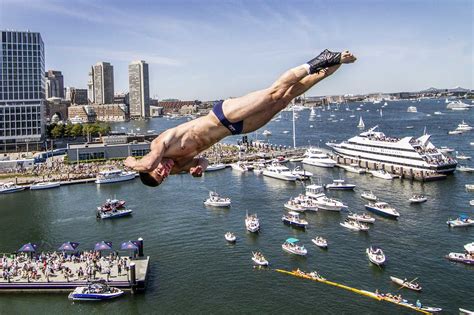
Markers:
(353, 168)
(457, 105)
(215, 167)
(339, 184)
(376, 255)
(215, 200)
(418, 154)
(252, 223)
(316, 192)
(369, 195)
(7, 188)
(464, 127)
(239, 166)
(381, 174)
(114, 176)
(279, 171)
(45, 185)
(316, 157)
(412, 109)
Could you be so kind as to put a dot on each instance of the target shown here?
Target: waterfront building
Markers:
(54, 84)
(139, 90)
(76, 96)
(95, 112)
(94, 151)
(22, 89)
(101, 83)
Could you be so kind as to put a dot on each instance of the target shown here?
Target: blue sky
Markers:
(217, 49)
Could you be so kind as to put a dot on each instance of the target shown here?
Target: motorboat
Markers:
(354, 225)
(339, 184)
(383, 209)
(381, 174)
(95, 291)
(294, 206)
(321, 242)
(353, 168)
(291, 246)
(267, 133)
(301, 174)
(464, 127)
(240, 166)
(438, 113)
(293, 218)
(376, 255)
(301, 203)
(316, 157)
(369, 195)
(215, 167)
(446, 150)
(259, 259)
(257, 170)
(252, 223)
(316, 276)
(455, 132)
(467, 259)
(114, 176)
(467, 169)
(457, 105)
(215, 200)
(364, 217)
(316, 193)
(461, 156)
(461, 221)
(278, 171)
(418, 199)
(469, 248)
(412, 109)
(404, 283)
(45, 185)
(113, 213)
(7, 188)
(230, 237)
(469, 187)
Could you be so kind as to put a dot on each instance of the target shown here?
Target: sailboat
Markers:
(312, 114)
(381, 114)
(361, 124)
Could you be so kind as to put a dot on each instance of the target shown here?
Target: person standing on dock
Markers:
(175, 150)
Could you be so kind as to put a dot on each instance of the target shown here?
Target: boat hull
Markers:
(41, 187)
(12, 190)
(119, 179)
(381, 212)
(294, 224)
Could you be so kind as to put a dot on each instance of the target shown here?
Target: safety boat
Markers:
(321, 242)
(230, 237)
(293, 218)
(369, 195)
(383, 209)
(406, 284)
(354, 225)
(364, 217)
(113, 213)
(461, 221)
(95, 292)
(376, 255)
(291, 246)
(252, 223)
(259, 259)
(215, 200)
(418, 199)
(339, 184)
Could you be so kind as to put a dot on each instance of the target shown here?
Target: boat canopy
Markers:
(293, 213)
(292, 240)
(464, 217)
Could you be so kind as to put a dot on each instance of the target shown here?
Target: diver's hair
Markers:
(148, 180)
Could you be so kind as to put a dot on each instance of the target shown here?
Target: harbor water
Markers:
(194, 270)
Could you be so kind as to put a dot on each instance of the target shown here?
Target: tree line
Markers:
(77, 130)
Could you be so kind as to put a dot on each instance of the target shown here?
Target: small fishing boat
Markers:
(230, 237)
(461, 221)
(267, 133)
(339, 184)
(381, 174)
(467, 259)
(95, 291)
(7, 188)
(354, 225)
(252, 223)
(376, 255)
(364, 217)
(45, 185)
(294, 206)
(406, 284)
(292, 247)
(215, 200)
(215, 167)
(455, 132)
(259, 259)
(303, 203)
(320, 242)
(418, 199)
(369, 195)
(383, 209)
(469, 248)
(293, 218)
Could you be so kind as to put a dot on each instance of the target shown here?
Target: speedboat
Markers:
(467, 259)
(45, 185)
(230, 237)
(316, 193)
(114, 176)
(294, 206)
(383, 209)
(406, 284)
(316, 157)
(215, 200)
(7, 188)
(279, 171)
(95, 292)
(364, 217)
(381, 174)
(418, 199)
(339, 184)
(301, 203)
(292, 247)
(369, 196)
(215, 167)
(259, 259)
(446, 150)
(240, 166)
(376, 255)
(252, 223)
(469, 187)
(464, 127)
(412, 109)
(267, 133)
(113, 213)
(469, 248)
(320, 242)
(461, 221)
(353, 168)
(293, 218)
(462, 157)
(462, 168)
(354, 225)
(455, 132)
(301, 174)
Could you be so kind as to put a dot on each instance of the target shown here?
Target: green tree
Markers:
(57, 131)
(68, 130)
(76, 130)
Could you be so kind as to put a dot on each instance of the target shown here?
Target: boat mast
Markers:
(294, 135)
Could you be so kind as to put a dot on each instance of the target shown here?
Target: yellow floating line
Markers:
(348, 288)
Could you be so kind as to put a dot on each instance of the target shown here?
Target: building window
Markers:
(91, 156)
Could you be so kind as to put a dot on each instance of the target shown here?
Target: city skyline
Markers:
(232, 48)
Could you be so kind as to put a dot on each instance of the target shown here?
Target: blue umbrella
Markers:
(129, 245)
(30, 247)
(103, 246)
(68, 246)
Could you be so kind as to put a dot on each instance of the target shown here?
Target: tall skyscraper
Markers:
(22, 88)
(101, 83)
(139, 89)
(54, 84)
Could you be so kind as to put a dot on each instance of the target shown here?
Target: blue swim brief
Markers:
(235, 128)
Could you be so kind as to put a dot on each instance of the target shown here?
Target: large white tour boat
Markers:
(114, 176)
(316, 157)
(406, 153)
